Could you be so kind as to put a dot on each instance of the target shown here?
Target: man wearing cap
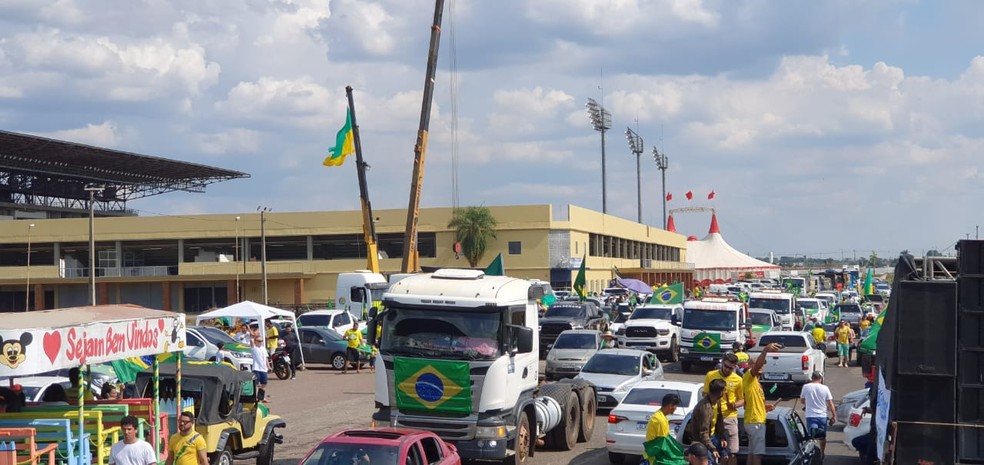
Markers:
(819, 403)
(608, 340)
(696, 454)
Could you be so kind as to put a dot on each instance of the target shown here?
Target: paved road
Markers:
(321, 401)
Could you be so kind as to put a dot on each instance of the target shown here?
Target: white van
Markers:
(783, 303)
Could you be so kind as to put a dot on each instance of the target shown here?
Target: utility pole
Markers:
(662, 163)
(601, 120)
(27, 290)
(263, 257)
(636, 145)
(92, 241)
(235, 258)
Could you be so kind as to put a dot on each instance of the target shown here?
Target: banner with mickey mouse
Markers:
(85, 335)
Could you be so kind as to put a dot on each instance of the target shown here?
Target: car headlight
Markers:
(663, 332)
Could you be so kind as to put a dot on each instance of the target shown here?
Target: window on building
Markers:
(515, 247)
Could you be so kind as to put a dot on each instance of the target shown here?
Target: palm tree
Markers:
(473, 227)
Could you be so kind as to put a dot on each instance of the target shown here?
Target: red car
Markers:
(383, 446)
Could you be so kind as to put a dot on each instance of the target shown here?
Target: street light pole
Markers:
(235, 258)
(601, 120)
(27, 290)
(92, 241)
(662, 163)
(637, 146)
(263, 258)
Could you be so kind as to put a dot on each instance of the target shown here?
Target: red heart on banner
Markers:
(51, 344)
(160, 324)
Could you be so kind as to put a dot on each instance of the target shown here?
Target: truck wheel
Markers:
(338, 361)
(224, 457)
(564, 435)
(615, 458)
(522, 444)
(266, 452)
(588, 407)
(685, 366)
(674, 350)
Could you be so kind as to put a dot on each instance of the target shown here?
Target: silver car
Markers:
(572, 349)
(614, 371)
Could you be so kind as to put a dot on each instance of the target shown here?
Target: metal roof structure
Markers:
(48, 174)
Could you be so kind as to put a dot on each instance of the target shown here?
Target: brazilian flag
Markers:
(707, 342)
(434, 385)
(668, 294)
(664, 450)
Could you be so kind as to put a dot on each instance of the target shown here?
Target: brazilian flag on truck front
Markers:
(707, 342)
(434, 385)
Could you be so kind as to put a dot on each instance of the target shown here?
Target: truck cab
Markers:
(709, 328)
(359, 291)
(783, 303)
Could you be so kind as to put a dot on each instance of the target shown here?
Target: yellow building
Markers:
(195, 262)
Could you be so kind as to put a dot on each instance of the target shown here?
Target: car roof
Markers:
(321, 312)
(785, 333)
(675, 385)
(36, 381)
(383, 436)
(580, 331)
(621, 351)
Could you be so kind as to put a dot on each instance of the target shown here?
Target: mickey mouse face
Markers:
(13, 352)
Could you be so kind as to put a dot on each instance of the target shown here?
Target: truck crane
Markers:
(368, 225)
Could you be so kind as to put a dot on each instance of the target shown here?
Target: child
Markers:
(372, 359)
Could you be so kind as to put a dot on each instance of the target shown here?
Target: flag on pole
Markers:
(869, 285)
(344, 143)
(710, 196)
(495, 268)
(690, 195)
(669, 196)
(579, 280)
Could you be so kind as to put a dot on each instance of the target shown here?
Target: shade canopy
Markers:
(250, 310)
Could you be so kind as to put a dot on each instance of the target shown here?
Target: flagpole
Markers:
(368, 225)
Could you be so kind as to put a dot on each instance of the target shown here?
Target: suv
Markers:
(338, 321)
(654, 328)
(566, 315)
(230, 420)
(205, 343)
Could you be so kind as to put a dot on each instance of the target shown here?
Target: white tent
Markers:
(253, 311)
(716, 262)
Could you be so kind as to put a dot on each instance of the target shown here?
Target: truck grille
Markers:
(640, 331)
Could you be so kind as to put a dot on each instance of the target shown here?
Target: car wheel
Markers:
(338, 361)
(223, 457)
(615, 458)
(674, 350)
(521, 447)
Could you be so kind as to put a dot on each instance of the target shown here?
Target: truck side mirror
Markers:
(522, 338)
(357, 294)
(371, 330)
(373, 311)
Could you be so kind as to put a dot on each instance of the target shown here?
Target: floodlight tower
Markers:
(637, 146)
(601, 120)
(662, 163)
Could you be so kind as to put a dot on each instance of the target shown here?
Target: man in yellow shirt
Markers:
(353, 337)
(755, 407)
(658, 425)
(845, 336)
(272, 337)
(731, 401)
(819, 336)
(186, 447)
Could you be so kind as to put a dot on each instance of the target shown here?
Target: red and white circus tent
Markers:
(716, 262)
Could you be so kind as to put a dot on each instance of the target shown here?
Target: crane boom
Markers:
(411, 258)
(368, 226)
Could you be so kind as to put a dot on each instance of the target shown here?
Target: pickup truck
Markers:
(654, 328)
(565, 315)
(850, 313)
(798, 358)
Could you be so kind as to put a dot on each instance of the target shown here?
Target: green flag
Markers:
(707, 342)
(495, 268)
(668, 294)
(664, 450)
(432, 385)
(869, 285)
(870, 343)
(579, 280)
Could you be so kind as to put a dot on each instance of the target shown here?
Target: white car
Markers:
(858, 424)
(35, 387)
(614, 371)
(338, 321)
(628, 421)
(850, 401)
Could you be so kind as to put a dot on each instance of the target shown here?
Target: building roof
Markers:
(132, 175)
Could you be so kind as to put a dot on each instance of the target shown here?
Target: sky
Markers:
(825, 129)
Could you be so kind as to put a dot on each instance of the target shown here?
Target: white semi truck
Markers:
(458, 355)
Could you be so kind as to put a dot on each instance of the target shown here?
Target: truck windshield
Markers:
(780, 306)
(576, 341)
(717, 320)
(448, 333)
(760, 319)
(651, 313)
(808, 304)
(562, 311)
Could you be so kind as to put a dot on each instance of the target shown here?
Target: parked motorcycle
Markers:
(281, 364)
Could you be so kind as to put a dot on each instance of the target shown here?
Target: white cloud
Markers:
(104, 134)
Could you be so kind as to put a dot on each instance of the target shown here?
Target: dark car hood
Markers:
(559, 320)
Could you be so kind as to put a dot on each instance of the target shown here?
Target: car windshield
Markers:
(576, 341)
(215, 336)
(563, 311)
(651, 313)
(353, 454)
(786, 340)
(764, 319)
(654, 396)
(463, 334)
(780, 306)
(849, 309)
(314, 320)
(621, 317)
(612, 364)
(718, 320)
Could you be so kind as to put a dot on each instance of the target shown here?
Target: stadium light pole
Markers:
(263, 258)
(92, 241)
(637, 146)
(601, 120)
(235, 259)
(662, 163)
(27, 287)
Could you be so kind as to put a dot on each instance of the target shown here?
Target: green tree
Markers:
(474, 227)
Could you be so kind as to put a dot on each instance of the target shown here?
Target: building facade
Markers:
(191, 263)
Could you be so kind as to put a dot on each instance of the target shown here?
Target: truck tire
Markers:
(564, 435)
(685, 366)
(616, 459)
(674, 350)
(589, 405)
(522, 444)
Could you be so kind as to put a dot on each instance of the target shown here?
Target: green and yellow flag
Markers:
(869, 284)
(668, 294)
(579, 280)
(433, 385)
(344, 143)
(664, 450)
(707, 342)
(870, 343)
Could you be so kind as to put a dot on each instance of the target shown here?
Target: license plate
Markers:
(707, 358)
(774, 376)
(641, 425)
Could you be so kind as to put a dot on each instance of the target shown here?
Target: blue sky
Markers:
(823, 127)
